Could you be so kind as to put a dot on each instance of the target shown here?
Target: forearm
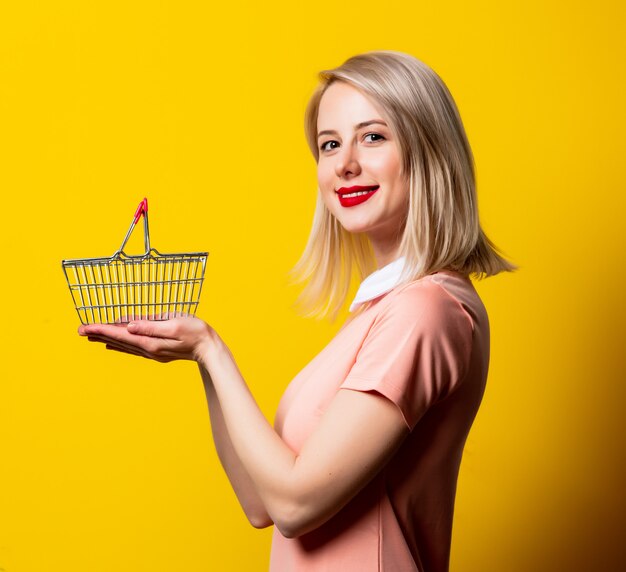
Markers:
(302, 491)
(268, 461)
(243, 486)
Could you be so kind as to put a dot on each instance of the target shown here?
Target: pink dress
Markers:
(425, 347)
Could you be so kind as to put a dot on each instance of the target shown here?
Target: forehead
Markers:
(344, 105)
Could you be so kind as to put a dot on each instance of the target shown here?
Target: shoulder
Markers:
(425, 300)
(418, 348)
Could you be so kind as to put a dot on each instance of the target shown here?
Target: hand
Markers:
(164, 341)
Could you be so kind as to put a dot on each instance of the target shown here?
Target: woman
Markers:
(359, 472)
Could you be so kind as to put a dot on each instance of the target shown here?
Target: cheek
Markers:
(385, 167)
(325, 184)
(325, 180)
(401, 198)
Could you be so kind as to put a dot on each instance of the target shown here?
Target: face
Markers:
(359, 165)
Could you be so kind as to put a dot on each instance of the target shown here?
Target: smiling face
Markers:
(359, 166)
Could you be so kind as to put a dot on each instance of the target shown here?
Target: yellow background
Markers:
(106, 461)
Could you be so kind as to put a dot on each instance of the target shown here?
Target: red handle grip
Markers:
(142, 209)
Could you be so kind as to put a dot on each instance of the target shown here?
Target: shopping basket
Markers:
(122, 288)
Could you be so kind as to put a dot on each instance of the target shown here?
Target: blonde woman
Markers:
(359, 471)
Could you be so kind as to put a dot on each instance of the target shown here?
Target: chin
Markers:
(354, 222)
(355, 227)
(351, 223)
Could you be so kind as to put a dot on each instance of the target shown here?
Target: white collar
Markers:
(378, 283)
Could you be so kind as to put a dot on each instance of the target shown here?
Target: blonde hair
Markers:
(442, 229)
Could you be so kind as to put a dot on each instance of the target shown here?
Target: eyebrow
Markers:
(356, 127)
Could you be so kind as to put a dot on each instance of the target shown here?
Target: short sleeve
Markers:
(417, 350)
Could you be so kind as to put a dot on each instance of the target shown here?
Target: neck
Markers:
(385, 244)
(385, 253)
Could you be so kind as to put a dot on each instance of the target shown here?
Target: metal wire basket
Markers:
(122, 288)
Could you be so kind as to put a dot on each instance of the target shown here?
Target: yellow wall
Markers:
(106, 461)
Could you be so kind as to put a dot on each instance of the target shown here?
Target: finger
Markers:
(106, 329)
(120, 333)
(104, 334)
(151, 348)
(87, 328)
(151, 328)
(123, 350)
(130, 348)
(126, 348)
(146, 355)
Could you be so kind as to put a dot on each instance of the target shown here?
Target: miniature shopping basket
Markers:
(122, 288)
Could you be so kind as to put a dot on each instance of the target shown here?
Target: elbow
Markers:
(260, 520)
(297, 520)
(292, 529)
(257, 515)
(288, 531)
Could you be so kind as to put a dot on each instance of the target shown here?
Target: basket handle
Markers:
(142, 210)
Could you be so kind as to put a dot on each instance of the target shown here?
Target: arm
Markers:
(116, 339)
(243, 486)
(299, 492)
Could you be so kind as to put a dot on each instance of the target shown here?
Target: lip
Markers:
(353, 201)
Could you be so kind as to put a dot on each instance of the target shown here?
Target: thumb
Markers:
(146, 328)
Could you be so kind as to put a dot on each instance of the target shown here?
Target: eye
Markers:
(374, 137)
(325, 146)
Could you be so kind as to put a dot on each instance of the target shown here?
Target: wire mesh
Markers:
(124, 288)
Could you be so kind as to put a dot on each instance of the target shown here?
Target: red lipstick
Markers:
(352, 196)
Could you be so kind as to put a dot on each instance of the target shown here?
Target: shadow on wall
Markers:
(581, 515)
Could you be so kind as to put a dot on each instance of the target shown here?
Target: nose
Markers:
(347, 162)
